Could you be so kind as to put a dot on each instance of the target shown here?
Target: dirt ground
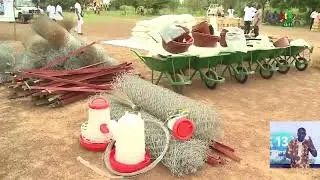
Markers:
(42, 143)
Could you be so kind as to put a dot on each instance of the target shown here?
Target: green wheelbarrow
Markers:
(294, 58)
(172, 67)
(234, 63)
(206, 66)
(260, 60)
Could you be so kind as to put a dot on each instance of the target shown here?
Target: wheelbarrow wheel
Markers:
(266, 72)
(301, 64)
(283, 66)
(242, 75)
(178, 88)
(211, 84)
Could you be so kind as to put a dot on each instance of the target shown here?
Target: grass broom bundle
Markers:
(7, 57)
(67, 23)
(50, 30)
(37, 45)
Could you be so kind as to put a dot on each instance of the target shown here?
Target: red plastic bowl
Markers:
(176, 47)
(205, 40)
(202, 27)
(282, 42)
(128, 168)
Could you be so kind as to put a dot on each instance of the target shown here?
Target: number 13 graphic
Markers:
(284, 141)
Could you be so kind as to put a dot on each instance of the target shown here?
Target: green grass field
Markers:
(109, 16)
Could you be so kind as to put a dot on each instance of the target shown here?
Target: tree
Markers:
(196, 5)
(156, 5)
(295, 3)
(173, 5)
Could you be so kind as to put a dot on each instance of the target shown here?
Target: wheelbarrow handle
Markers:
(137, 54)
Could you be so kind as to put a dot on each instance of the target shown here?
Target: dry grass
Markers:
(68, 23)
(37, 45)
(55, 34)
(7, 57)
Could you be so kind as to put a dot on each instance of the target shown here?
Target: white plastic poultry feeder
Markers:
(95, 131)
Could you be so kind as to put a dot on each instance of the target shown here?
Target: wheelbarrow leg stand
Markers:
(160, 76)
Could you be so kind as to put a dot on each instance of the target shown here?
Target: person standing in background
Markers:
(313, 16)
(257, 21)
(249, 13)
(51, 11)
(58, 13)
(231, 12)
(79, 15)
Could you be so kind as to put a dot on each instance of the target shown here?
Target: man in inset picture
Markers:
(299, 148)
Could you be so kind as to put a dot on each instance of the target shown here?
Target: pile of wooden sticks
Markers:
(57, 88)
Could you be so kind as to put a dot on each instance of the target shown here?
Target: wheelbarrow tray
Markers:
(166, 63)
(294, 50)
(254, 56)
(229, 58)
(170, 66)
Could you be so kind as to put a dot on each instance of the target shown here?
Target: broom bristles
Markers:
(67, 23)
(50, 30)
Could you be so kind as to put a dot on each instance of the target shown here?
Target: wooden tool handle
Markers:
(96, 169)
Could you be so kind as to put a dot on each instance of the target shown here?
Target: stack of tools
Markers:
(61, 87)
(227, 151)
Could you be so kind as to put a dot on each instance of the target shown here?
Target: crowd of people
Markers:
(253, 18)
(55, 14)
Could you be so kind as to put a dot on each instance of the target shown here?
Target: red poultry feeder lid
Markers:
(99, 103)
(128, 168)
(95, 147)
(183, 129)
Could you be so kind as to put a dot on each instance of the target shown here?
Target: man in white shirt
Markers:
(58, 13)
(51, 11)
(79, 15)
(248, 17)
(313, 15)
(231, 12)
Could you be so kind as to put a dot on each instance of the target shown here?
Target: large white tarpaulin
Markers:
(6, 11)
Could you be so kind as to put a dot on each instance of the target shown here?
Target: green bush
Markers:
(127, 10)
(149, 11)
(182, 10)
(164, 11)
